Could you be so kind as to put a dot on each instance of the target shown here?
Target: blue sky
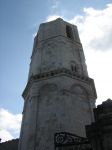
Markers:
(19, 20)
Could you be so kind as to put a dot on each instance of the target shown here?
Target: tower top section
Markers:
(56, 28)
(57, 46)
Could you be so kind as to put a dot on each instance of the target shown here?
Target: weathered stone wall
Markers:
(53, 49)
(59, 96)
(100, 132)
(56, 104)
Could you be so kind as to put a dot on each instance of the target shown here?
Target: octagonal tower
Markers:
(59, 95)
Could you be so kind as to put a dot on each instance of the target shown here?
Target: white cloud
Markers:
(53, 17)
(5, 135)
(95, 30)
(34, 35)
(9, 125)
(55, 10)
(55, 4)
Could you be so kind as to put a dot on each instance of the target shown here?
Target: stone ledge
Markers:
(58, 72)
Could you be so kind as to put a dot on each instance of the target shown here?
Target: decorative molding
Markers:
(59, 72)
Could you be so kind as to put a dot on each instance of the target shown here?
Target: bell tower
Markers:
(59, 95)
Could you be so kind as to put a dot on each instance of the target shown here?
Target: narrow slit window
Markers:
(69, 32)
(74, 68)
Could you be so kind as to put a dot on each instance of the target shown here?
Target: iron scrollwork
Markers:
(72, 141)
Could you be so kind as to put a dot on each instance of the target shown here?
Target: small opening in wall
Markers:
(69, 32)
(74, 68)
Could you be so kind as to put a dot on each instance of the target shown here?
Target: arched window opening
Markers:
(79, 90)
(69, 32)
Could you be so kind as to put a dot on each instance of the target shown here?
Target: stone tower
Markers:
(59, 96)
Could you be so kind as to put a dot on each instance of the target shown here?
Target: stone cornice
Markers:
(58, 72)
